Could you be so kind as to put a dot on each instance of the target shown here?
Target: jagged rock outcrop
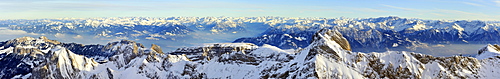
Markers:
(328, 56)
(384, 33)
(156, 48)
(217, 48)
(28, 57)
(331, 36)
(488, 51)
(331, 60)
(206, 52)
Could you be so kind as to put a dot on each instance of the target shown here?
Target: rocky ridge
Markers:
(380, 33)
(329, 55)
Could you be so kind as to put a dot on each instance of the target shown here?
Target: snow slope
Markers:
(488, 51)
(329, 55)
(380, 33)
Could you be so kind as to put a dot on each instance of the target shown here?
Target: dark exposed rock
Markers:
(328, 56)
(44, 58)
(156, 48)
(332, 35)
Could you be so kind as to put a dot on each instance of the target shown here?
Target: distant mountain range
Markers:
(364, 34)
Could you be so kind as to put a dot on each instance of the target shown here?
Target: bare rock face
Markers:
(28, 57)
(214, 50)
(328, 56)
(487, 48)
(41, 42)
(335, 36)
(488, 51)
(156, 48)
(124, 46)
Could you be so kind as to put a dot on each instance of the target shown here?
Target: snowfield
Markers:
(329, 55)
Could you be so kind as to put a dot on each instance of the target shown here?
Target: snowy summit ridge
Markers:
(328, 55)
(28, 57)
(283, 32)
(488, 51)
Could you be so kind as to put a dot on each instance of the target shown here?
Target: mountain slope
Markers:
(329, 55)
(41, 58)
(29, 57)
(385, 33)
(488, 51)
(372, 34)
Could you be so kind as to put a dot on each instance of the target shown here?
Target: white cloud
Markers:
(463, 15)
(329, 10)
(60, 35)
(258, 10)
(437, 14)
(78, 37)
(7, 31)
(473, 4)
(439, 45)
(371, 10)
(457, 12)
(402, 8)
(497, 2)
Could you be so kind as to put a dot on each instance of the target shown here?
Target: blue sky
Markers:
(423, 9)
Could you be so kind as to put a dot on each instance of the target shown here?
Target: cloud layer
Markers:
(6, 31)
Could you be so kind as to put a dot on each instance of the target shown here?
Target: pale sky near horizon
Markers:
(422, 9)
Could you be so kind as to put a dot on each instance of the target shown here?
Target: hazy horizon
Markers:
(422, 9)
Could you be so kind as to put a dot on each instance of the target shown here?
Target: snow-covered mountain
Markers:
(329, 55)
(488, 51)
(373, 34)
(384, 33)
(29, 57)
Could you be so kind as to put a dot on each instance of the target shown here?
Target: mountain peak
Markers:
(393, 17)
(488, 51)
(30, 42)
(43, 37)
(326, 35)
(156, 48)
(216, 48)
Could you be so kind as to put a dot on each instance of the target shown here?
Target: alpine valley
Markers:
(434, 37)
(250, 47)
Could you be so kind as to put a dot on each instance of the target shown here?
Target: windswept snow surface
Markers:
(488, 51)
(329, 55)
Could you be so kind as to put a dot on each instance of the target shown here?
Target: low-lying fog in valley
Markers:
(201, 38)
(193, 39)
(434, 37)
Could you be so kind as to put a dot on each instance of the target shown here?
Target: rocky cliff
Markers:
(329, 55)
